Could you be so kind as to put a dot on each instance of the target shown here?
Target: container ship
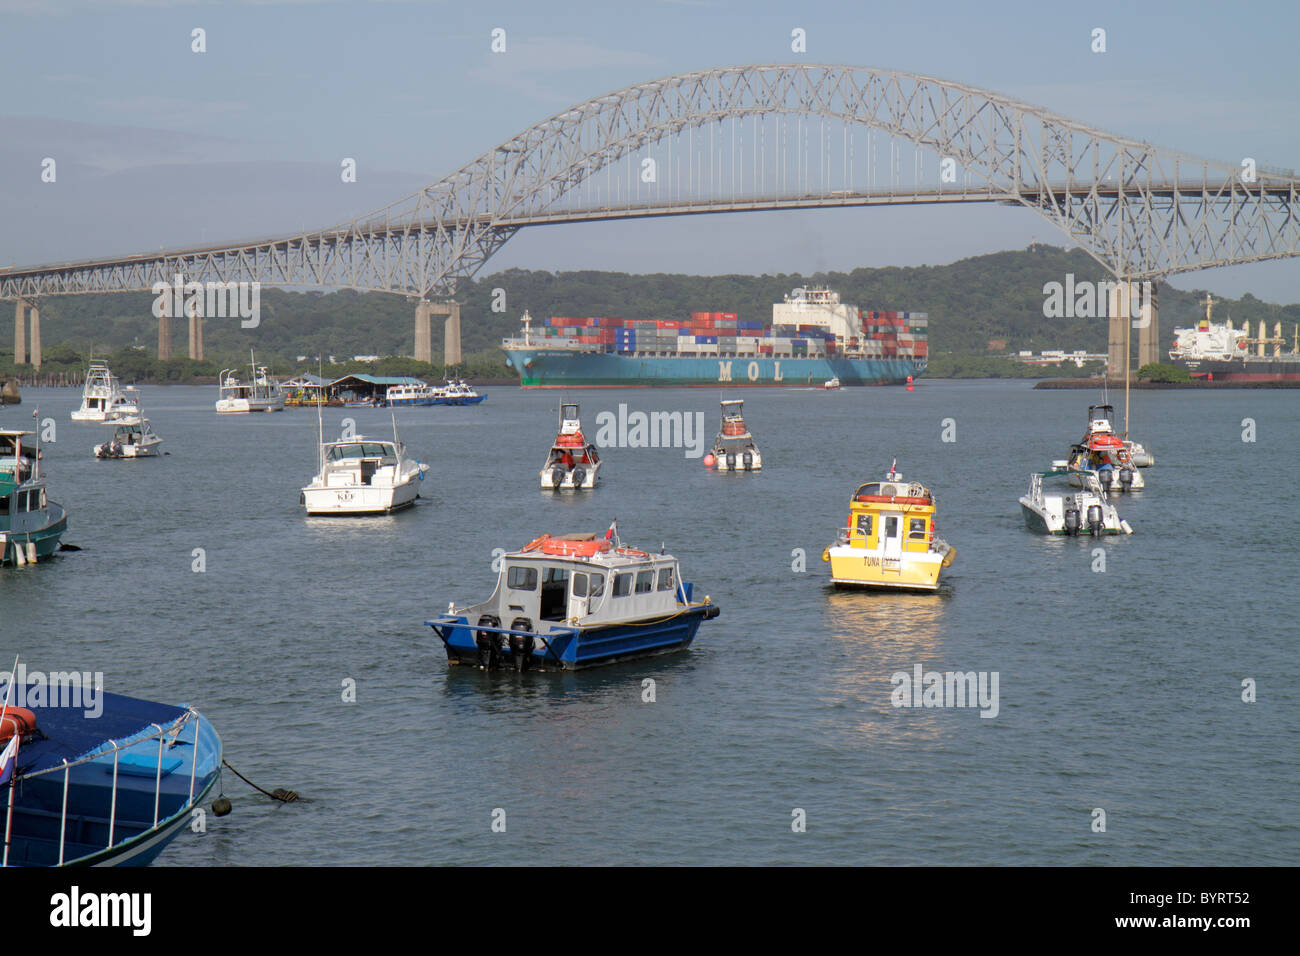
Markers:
(1218, 352)
(812, 338)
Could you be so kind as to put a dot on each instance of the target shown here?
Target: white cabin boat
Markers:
(103, 396)
(416, 393)
(831, 383)
(734, 448)
(1069, 502)
(260, 393)
(363, 476)
(133, 437)
(573, 461)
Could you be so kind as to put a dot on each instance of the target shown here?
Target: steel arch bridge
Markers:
(1141, 211)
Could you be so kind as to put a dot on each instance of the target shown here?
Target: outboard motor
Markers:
(521, 645)
(1071, 521)
(747, 460)
(488, 642)
(579, 476)
(1094, 519)
(731, 462)
(557, 477)
(1126, 479)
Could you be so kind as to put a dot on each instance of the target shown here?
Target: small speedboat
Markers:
(30, 524)
(133, 437)
(108, 785)
(573, 461)
(831, 383)
(1067, 501)
(566, 602)
(363, 476)
(734, 448)
(260, 393)
(890, 540)
(103, 397)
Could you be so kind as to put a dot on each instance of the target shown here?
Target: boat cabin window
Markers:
(864, 525)
(622, 585)
(555, 594)
(665, 579)
(891, 527)
(520, 578)
(916, 529)
(579, 585)
(4, 505)
(645, 582)
(597, 585)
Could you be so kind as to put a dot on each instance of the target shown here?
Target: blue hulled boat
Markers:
(101, 779)
(576, 601)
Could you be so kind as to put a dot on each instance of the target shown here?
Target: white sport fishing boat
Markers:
(573, 461)
(133, 437)
(1069, 502)
(259, 394)
(363, 476)
(734, 448)
(103, 396)
(1104, 452)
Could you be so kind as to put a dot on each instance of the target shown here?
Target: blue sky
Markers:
(159, 146)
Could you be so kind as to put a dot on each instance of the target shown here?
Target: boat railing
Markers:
(160, 732)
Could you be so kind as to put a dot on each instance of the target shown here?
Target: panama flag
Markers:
(613, 530)
(8, 759)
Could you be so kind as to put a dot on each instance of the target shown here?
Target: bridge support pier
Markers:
(36, 337)
(1117, 307)
(165, 331)
(20, 333)
(451, 336)
(196, 335)
(423, 333)
(1149, 333)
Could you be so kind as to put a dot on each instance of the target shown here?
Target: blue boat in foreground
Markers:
(575, 601)
(109, 785)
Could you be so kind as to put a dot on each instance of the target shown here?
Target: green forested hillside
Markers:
(991, 303)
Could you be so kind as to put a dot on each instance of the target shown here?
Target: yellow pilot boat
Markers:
(890, 539)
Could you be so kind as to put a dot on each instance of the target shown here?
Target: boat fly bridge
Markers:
(573, 601)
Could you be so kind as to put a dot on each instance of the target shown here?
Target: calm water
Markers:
(1118, 690)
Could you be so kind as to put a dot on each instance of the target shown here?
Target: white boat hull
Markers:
(568, 481)
(359, 499)
(147, 450)
(755, 462)
(242, 406)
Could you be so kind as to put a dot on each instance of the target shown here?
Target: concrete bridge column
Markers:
(1149, 334)
(451, 335)
(423, 333)
(36, 337)
(20, 333)
(1117, 307)
(196, 334)
(165, 330)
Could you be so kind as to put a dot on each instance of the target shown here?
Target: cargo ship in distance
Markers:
(1218, 352)
(812, 337)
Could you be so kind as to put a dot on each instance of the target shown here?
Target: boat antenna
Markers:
(13, 676)
(393, 412)
(36, 465)
(320, 422)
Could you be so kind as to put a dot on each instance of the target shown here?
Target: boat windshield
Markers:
(370, 449)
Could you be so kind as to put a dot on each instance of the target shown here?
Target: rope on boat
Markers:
(284, 796)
